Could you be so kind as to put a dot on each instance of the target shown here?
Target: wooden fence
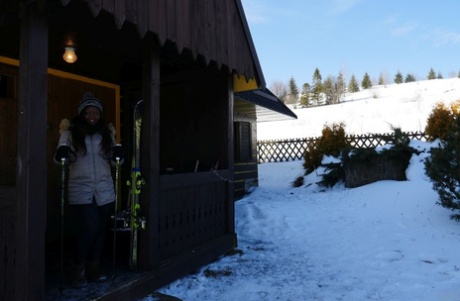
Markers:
(293, 149)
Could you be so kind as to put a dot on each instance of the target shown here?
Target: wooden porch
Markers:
(185, 59)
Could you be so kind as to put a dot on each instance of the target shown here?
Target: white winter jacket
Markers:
(89, 175)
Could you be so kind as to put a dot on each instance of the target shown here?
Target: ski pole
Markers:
(63, 163)
(117, 171)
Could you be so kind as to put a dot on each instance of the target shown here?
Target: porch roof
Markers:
(268, 106)
(214, 30)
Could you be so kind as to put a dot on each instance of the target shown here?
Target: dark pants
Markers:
(92, 222)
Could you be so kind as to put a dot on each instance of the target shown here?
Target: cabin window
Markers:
(243, 145)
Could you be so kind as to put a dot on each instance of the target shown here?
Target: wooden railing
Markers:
(193, 210)
(293, 149)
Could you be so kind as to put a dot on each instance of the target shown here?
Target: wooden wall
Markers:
(245, 149)
(8, 151)
(7, 241)
(8, 124)
(216, 30)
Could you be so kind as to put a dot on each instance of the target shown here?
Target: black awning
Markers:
(268, 106)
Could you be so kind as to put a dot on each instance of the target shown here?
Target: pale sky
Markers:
(293, 37)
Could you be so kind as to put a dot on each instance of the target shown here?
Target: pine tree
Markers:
(439, 76)
(317, 88)
(431, 74)
(305, 95)
(329, 90)
(366, 82)
(293, 92)
(353, 85)
(442, 168)
(398, 78)
(409, 78)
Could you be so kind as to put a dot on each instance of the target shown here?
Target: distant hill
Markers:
(375, 110)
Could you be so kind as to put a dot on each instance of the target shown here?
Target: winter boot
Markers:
(77, 279)
(93, 272)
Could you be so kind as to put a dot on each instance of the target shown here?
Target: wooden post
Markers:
(150, 154)
(230, 158)
(31, 180)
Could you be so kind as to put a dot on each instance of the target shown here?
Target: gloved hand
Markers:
(117, 152)
(62, 152)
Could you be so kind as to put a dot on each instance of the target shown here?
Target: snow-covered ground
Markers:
(375, 110)
(385, 241)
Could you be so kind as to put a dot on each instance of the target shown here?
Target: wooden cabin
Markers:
(252, 107)
(194, 65)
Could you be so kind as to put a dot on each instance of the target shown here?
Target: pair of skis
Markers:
(131, 218)
(135, 184)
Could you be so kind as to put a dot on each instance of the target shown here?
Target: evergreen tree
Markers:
(439, 76)
(317, 88)
(442, 168)
(293, 87)
(409, 78)
(398, 78)
(329, 90)
(431, 74)
(353, 85)
(366, 82)
(293, 92)
(305, 95)
(333, 89)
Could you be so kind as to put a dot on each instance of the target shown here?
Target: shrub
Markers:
(333, 173)
(400, 152)
(331, 143)
(441, 120)
(298, 182)
(443, 166)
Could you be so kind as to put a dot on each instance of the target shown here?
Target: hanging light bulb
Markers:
(69, 55)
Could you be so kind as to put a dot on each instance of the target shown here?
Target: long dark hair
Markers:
(79, 129)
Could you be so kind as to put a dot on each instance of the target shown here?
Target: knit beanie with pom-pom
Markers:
(89, 100)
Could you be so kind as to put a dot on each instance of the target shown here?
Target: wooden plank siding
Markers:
(8, 224)
(246, 177)
(31, 157)
(245, 168)
(213, 30)
(8, 124)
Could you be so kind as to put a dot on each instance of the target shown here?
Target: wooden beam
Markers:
(230, 158)
(31, 159)
(150, 153)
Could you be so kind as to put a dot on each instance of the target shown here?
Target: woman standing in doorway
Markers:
(88, 145)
